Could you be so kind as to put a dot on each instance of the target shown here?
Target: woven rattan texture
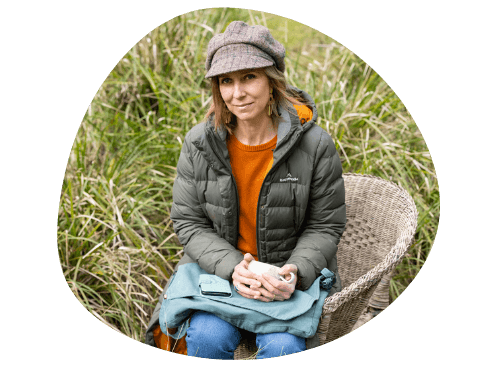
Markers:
(381, 224)
(247, 348)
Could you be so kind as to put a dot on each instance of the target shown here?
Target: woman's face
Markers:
(246, 94)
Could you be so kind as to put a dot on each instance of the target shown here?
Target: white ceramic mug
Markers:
(260, 267)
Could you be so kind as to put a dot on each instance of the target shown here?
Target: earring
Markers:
(270, 101)
(227, 114)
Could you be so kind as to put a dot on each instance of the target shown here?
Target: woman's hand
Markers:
(245, 282)
(263, 287)
(276, 290)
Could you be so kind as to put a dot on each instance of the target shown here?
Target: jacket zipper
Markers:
(278, 163)
(227, 165)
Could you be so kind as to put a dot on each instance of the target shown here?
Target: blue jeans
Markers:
(208, 336)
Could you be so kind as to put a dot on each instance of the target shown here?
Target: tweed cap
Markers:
(243, 47)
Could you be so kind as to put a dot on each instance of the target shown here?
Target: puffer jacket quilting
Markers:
(301, 211)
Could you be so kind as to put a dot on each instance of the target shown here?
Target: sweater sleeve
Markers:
(193, 228)
(317, 246)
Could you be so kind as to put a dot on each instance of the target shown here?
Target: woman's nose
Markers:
(239, 90)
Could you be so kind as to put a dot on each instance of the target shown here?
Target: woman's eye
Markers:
(227, 80)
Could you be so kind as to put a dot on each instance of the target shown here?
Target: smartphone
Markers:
(211, 285)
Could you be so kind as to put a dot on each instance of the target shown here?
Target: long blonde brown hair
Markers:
(282, 97)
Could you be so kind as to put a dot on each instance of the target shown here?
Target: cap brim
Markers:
(236, 63)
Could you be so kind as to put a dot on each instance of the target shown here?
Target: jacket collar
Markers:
(285, 124)
(310, 104)
(290, 120)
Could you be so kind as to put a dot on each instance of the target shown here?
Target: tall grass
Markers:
(116, 243)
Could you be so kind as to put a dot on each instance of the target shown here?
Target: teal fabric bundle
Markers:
(298, 315)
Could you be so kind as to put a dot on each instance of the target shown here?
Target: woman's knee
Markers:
(277, 344)
(211, 337)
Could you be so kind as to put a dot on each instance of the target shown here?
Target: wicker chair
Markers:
(381, 223)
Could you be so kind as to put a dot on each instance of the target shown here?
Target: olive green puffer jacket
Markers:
(301, 211)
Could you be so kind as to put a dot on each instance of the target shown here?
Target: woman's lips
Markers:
(244, 106)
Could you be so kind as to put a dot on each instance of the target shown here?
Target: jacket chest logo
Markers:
(289, 178)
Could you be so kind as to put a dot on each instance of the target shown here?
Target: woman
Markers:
(258, 180)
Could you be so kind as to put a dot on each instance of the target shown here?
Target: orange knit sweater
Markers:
(250, 165)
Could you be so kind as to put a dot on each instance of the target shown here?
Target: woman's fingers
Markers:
(239, 277)
(248, 257)
(241, 273)
(244, 280)
(246, 291)
(267, 294)
(261, 294)
(277, 287)
(287, 269)
(263, 287)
